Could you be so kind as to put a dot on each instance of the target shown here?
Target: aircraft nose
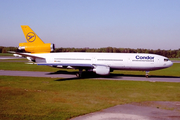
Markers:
(170, 63)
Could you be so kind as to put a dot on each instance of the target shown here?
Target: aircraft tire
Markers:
(78, 75)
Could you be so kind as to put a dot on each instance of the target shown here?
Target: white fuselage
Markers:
(100, 63)
(115, 61)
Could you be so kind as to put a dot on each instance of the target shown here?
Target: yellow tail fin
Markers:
(30, 35)
(34, 43)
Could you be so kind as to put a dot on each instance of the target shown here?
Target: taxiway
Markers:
(70, 76)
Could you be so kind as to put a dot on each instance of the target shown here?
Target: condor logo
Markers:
(144, 57)
(31, 37)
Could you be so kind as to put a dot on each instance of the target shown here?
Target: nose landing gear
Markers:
(79, 74)
(147, 74)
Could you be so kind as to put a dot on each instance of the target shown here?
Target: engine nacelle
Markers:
(102, 70)
(34, 48)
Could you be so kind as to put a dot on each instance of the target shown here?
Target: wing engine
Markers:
(102, 70)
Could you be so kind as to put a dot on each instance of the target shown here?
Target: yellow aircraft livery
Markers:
(34, 43)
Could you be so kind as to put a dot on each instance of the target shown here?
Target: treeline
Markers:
(6, 49)
(167, 53)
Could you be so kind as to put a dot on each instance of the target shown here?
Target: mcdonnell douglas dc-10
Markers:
(100, 63)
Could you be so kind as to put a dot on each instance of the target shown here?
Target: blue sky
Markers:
(150, 24)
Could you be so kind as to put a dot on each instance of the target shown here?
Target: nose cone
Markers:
(170, 63)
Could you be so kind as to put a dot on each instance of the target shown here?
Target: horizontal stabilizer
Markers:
(26, 54)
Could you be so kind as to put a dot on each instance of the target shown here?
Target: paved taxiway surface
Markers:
(135, 111)
(69, 76)
(9, 57)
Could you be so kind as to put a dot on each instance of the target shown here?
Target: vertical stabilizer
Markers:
(30, 35)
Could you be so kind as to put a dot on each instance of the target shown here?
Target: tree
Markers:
(1, 48)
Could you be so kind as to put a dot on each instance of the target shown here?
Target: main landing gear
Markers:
(79, 74)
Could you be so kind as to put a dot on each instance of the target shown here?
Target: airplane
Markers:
(101, 63)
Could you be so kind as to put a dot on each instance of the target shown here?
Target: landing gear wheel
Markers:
(79, 75)
(147, 74)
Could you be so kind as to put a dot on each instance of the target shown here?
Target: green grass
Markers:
(175, 59)
(6, 54)
(23, 66)
(47, 98)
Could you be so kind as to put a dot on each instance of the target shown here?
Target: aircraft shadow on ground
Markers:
(90, 75)
(62, 72)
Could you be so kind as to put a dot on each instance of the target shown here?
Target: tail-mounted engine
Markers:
(34, 48)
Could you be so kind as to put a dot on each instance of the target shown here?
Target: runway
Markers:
(62, 75)
(9, 57)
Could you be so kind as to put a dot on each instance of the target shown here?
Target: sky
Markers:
(147, 24)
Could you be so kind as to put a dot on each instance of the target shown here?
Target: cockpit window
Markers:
(165, 60)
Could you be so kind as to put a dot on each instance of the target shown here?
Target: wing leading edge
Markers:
(68, 64)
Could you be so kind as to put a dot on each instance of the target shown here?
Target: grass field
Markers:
(47, 98)
(6, 54)
(175, 59)
(50, 98)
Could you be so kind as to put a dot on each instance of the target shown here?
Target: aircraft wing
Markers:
(34, 56)
(68, 64)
